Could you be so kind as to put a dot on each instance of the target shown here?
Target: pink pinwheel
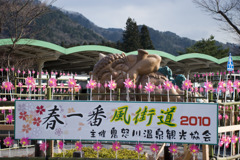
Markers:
(201, 89)
(186, 84)
(226, 117)
(71, 83)
(52, 82)
(97, 146)
(175, 87)
(20, 84)
(8, 141)
(99, 85)
(154, 148)
(6, 69)
(7, 86)
(78, 146)
(13, 69)
(159, 86)
(4, 99)
(105, 85)
(220, 116)
(221, 85)
(227, 141)
(167, 85)
(173, 149)
(24, 141)
(30, 81)
(229, 84)
(116, 146)
(150, 87)
(194, 149)
(1, 69)
(140, 86)
(23, 72)
(44, 146)
(9, 118)
(234, 139)
(92, 84)
(139, 147)
(60, 145)
(208, 86)
(128, 83)
(112, 84)
(238, 118)
(236, 84)
(196, 89)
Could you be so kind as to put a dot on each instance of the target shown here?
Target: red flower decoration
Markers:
(26, 128)
(23, 115)
(40, 109)
(37, 121)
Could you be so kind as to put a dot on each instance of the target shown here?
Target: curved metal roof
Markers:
(83, 58)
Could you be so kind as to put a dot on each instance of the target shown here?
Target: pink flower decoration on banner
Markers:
(128, 83)
(154, 148)
(167, 85)
(37, 121)
(140, 86)
(112, 84)
(208, 86)
(44, 146)
(150, 87)
(194, 149)
(92, 84)
(220, 116)
(8, 141)
(9, 118)
(139, 147)
(236, 83)
(234, 139)
(97, 146)
(30, 81)
(24, 141)
(52, 82)
(71, 83)
(60, 145)
(7, 86)
(173, 149)
(116, 146)
(78, 146)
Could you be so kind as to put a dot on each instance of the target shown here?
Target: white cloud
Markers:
(181, 17)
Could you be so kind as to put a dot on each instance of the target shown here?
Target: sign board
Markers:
(117, 121)
(230, 66)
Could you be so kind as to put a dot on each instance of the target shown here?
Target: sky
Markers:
(182, 17)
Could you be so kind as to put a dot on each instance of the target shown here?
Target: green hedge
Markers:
(104, 153)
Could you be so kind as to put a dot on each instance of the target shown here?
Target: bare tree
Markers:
(17, 20)
(225, 11)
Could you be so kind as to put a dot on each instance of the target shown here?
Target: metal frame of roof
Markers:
(83, 58)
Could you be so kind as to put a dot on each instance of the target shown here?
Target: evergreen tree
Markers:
(208, 47)
(146, 41)
(131, 36)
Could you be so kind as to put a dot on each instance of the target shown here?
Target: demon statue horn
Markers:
(140, 68)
